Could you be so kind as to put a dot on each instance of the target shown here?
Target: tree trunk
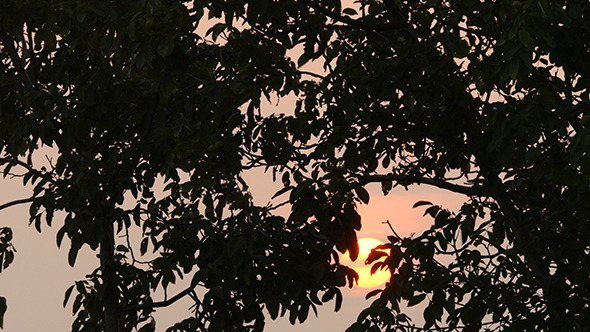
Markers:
(111, 292)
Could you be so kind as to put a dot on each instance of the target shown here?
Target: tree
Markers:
(128, 94)
(486, 99)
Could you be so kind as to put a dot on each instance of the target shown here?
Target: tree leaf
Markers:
(375, 255)
(362, 194)
(376, 267)
(349, 11)
(273, 308)
(338, 300)
(351, 218)
(373, 293)
(329, 294)
(416, 300)
(420, 203)
(432, 211)
(352, 245)
(303, 312)
(73, 252)
(67, 295)
(166, 47)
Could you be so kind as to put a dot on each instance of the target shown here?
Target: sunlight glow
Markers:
(366, 280)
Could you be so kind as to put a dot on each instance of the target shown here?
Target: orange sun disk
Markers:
(366, 280)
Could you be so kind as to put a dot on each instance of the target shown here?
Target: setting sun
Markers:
(366, 280)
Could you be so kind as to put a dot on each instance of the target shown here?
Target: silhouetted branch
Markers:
(18, 201)
(17, 162)
(30, 168)
(442, 184)
(161, 303)
(400, 178)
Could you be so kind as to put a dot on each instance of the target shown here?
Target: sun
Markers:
(366, 280)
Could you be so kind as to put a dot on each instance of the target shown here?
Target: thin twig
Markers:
(392, 230)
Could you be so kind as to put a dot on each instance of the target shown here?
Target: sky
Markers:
(35, 283)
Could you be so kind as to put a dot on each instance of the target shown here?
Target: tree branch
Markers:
(400, 178)
(28, 167)
(18, 201)
(312, 74)
(442, 184)
(17, 162)
(110, 290)
(161, 303)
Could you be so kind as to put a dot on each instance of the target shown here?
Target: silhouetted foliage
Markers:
(485, 99)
